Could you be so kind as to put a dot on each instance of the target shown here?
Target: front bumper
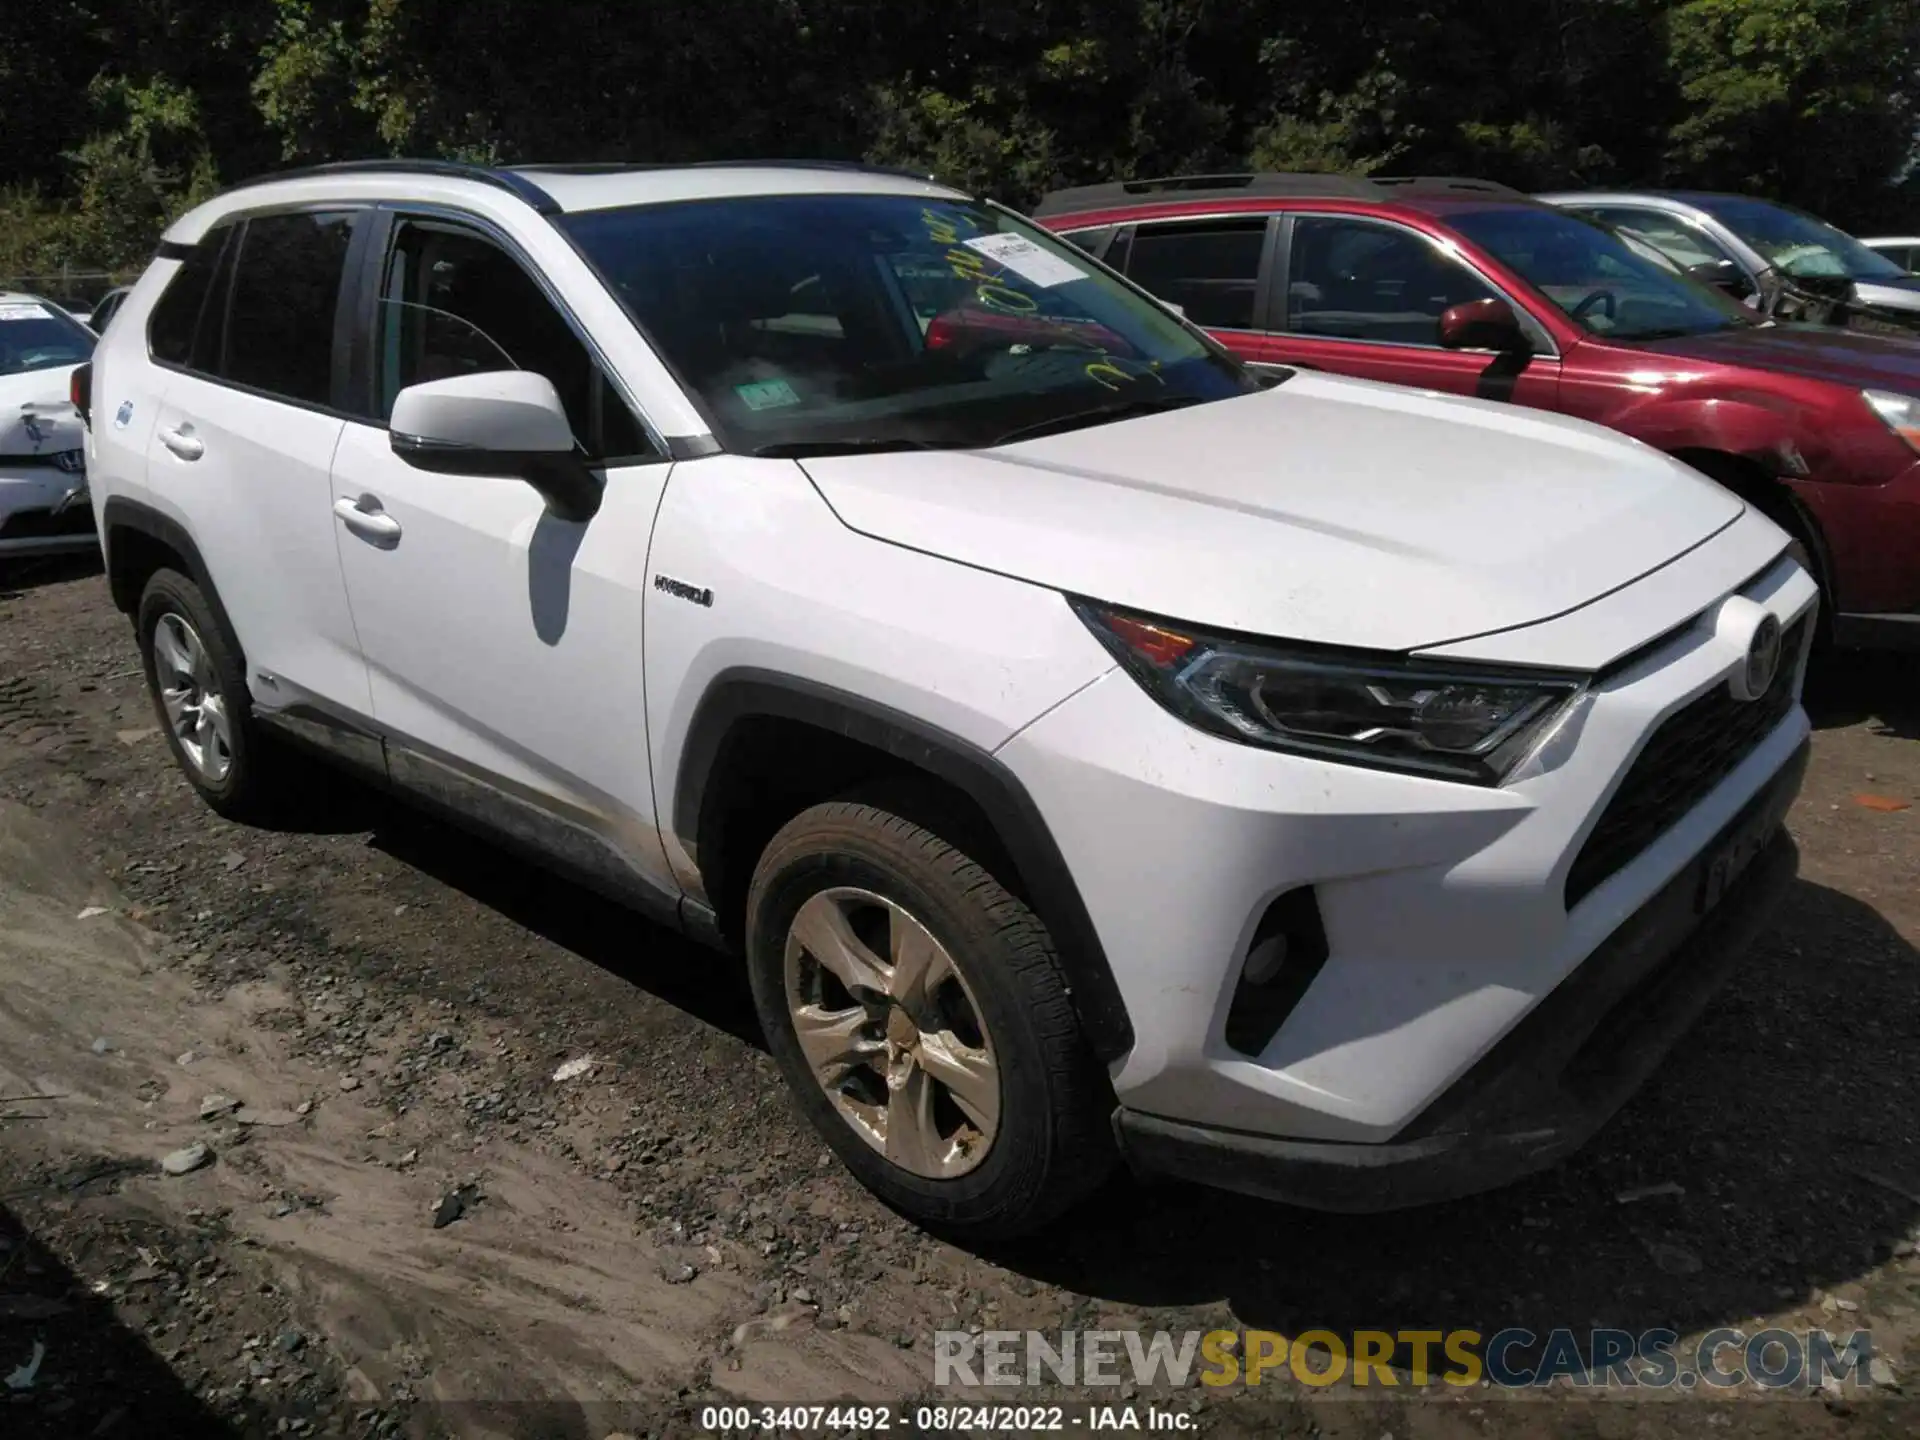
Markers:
(1446, 914)
(43, 509)
(1553, 1081)
(1872, 538)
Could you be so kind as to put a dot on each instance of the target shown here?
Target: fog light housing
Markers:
(1285, 956)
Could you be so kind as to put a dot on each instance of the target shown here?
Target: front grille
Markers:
(1693, 750)
(45, 525)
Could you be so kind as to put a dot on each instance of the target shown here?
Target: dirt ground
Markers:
(377, 1007)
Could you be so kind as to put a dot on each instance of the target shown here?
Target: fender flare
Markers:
(119, 514)
(744, 694)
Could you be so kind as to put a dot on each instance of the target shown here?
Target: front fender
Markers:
(1769, 433)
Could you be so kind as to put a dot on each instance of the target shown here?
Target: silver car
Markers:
(1902, 250)
(1781, 261)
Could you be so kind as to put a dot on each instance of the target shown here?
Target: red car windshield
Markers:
(1597, 280)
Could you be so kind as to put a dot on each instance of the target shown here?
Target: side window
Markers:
(286, 291)
(454, 303)
(1211, 270)
(1091, 241)
(1352, 279)
(1690, 248)
(1678, 239)
(183, 329)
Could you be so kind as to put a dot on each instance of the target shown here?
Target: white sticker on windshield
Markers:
(23, 310)
(1026, 259)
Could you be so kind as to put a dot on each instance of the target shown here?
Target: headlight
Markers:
(1900, 412)
(1451, 722)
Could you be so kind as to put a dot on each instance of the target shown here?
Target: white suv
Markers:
(1328, 790)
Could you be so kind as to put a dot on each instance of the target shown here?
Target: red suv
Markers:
(1470, 288)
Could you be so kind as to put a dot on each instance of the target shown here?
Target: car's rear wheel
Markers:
(918, 1010)
(200, 696)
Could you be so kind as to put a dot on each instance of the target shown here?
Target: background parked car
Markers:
(1468, 287)
(97, 318)
(1783, 262)
(1902, 250)
(43, 483)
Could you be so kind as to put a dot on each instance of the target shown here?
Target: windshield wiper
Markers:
(1679, 332)
(1095, 415)
(871, 445)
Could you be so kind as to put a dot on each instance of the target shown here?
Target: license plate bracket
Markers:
(1732, 853)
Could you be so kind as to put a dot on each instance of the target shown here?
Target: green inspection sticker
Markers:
(767, 395)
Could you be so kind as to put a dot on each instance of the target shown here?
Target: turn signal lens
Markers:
(1900, 413)
(1150, 642)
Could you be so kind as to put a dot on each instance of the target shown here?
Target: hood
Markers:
(1329, 510)
(1817, 352)
(36, 417)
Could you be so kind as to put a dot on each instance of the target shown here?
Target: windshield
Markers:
(820, 323)
(34, 336)
(1604, 285)
(1796, 243)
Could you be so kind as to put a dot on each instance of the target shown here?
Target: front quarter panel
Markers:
(750, 570)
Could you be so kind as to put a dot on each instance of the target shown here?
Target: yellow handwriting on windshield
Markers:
(991, 290)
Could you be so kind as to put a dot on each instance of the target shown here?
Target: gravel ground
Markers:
(403, 1224)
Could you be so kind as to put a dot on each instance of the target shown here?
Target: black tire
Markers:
(1054, 1140)
(254, 782)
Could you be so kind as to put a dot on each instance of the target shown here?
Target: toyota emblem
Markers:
(1763, 657)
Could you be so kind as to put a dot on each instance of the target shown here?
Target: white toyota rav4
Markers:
(1097, 748)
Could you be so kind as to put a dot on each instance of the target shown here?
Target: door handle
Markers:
(364, 516)
(183, 442)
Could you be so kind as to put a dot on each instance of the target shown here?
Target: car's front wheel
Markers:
(918, 1010)
(199, 689)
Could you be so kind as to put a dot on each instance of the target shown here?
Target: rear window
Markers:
(180, 331)
(1211, 271)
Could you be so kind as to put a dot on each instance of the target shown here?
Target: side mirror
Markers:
(1483, 325)
(1179, 310)
(500, 422)
(1722, 275)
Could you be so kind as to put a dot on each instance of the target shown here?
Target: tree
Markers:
(1811, 101)
(119, 113)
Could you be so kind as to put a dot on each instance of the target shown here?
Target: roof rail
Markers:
(446, 169)
(1265, 184)
(1442, 184)
(621, 167)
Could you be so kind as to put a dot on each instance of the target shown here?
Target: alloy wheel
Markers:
(190, 695)
(891, 1032)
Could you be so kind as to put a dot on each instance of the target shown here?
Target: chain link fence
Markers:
(70, 287)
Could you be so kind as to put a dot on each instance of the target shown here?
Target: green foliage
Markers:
(1812, 99)
(118, 116)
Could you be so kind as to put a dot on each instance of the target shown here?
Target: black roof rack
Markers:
(1268, 184)
(445, 169)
